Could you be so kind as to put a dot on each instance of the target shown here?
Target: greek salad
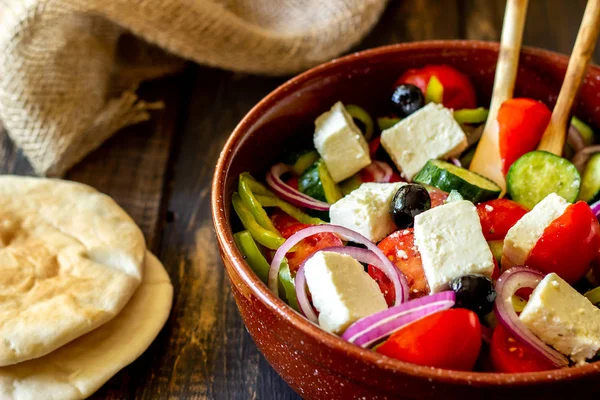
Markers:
(382, 235)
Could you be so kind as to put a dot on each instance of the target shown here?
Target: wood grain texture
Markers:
(160, 172)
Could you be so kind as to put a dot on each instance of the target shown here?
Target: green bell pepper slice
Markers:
(360, 114)
(387, 122)
(247, 246)
(435, 91)
(268, 201)
(287, 283)
(594, 296)
(268, 238)
(247, 188)
(471, 115)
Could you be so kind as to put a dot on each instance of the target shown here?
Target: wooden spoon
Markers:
(554, 136)
(486, 160)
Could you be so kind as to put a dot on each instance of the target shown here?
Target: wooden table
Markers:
(160, 172)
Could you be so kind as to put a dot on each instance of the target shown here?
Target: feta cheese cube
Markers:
(563, 319)
(523, 236)
(340, 143)
(366, 210)
(451, 244)
(429, 133)
(341, 290)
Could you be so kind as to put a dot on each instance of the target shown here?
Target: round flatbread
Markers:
(70, 259)
(78, 369)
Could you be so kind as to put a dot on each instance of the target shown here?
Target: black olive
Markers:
(475, 293)
(409, 201)
(406, 99)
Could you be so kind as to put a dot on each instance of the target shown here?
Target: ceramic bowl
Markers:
(314, 363)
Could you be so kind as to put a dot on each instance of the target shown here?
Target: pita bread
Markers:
(78, 369)
(70, 259)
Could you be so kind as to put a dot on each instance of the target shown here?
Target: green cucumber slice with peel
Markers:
(447, 177)
(537, 174)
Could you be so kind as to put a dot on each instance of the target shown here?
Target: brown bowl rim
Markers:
(261, 291)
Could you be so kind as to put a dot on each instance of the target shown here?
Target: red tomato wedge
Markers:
(568, 245)
(437, 196)
(521, 124)
(400, 248)
(287, 226)
(498, 216)
(458, 90)
(449, 339)
(509, 355)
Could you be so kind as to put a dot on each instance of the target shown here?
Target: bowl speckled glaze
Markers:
(319, 365)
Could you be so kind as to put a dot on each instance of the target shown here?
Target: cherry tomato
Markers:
(568, 245)
(458, 90)
(374, 146)
(449, 339)
(510, 355)
(498, 216)
(521, 124)
(400, 248)
(287, 226)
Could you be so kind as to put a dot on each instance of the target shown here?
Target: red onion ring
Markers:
(582, 156)
(290, 194)
(456, 162)
(390, 270)
(388, 172)
(359, 254)
(574, 138)
(374, 327)
(506, 286)
(596, 208)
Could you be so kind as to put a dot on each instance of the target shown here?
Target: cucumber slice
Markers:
(454, 196)
(301, 160)
(537, 174)
(594, 296)
(587, 133)
(386, 122)
(448, 177)
(317, 183)
(590, 181)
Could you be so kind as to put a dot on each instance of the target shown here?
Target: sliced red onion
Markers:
(506, 286)
(574, 138)
(374, 327)
(582, 156)
(398, 280)
(596, 208)
(302, 296)
(386, 170)
(456, 162)
(359, 254)
(290, 194)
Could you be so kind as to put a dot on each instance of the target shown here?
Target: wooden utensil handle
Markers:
(486, 160)
(554, 136)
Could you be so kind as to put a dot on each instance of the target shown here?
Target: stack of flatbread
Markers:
(80, 296)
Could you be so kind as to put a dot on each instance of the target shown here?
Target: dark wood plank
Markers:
(211, 353)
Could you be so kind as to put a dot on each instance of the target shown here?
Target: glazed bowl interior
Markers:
(284, 120)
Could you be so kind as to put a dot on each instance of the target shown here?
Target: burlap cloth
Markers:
(69, 69)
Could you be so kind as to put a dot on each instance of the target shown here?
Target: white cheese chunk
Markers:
(340, 143)
(563, 319)
(523, 236)
(451, 244)
(341, 290)
(429, 133)
(366, 210)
